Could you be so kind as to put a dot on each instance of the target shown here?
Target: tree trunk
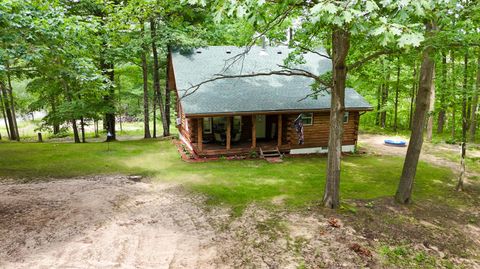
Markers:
(146, 113)
(110, 115)
(386, 86)
(405, 186)
(2, 104)
(12, 102)
(155, 115)
(82, 127)
(454, 86)
(430, 111)
(167, 94)
(379, 104)
(442, 112)
(464, 124)
(473, 115)
(95, 123)
(156, 77)
(120, 122)
(55, 124)
(397, 89)
(107, 68)
(6, 104)
(341, 45)
(75, 131)
(412, 96)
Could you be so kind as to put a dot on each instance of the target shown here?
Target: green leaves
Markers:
(410, 39)
(371, 6)
(322, 7)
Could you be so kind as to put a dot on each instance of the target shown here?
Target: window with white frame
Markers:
(345, 117)
(207, 125)
(307, 118)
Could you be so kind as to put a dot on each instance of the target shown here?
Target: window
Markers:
(345, 117)
(237, 124)
(307, 118)
(207, 125)
(219, 124)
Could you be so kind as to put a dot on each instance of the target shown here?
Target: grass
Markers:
(297, 181)
(405, 257)
(445, 137)
(28, 130)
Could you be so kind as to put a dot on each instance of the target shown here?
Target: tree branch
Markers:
(282, 72)
(315, 52)
(276, 21)
(370, 57)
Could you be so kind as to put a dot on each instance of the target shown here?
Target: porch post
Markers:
(254, 131)
(200, 134)
(279, 133)
(229, 132)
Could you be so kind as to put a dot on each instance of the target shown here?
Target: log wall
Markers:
(316, 135)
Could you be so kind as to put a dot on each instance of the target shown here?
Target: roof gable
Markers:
(252, 94)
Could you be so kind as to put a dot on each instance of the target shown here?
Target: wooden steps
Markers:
(271, 155)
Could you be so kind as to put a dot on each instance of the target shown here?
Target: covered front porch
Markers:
(239, 134)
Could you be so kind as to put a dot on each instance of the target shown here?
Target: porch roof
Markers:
(254, 94)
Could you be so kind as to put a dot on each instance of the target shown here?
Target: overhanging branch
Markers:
(315, 52)
(282, 72)
(277, 20)
(370, 57)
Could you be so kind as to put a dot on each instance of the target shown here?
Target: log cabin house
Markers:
(236, 116)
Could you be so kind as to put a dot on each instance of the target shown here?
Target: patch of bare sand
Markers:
(102, 222)
(110, 221)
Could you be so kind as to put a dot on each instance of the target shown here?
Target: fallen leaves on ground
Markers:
(361, 250)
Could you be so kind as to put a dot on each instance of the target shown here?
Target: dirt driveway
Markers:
(102, 222)
(113, 222)
(431, 153)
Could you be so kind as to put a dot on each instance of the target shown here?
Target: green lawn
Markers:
(28, 131)
(297, 181)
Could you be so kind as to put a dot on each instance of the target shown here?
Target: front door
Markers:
(261, 126)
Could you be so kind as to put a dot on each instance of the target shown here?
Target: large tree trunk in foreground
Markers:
(341, 45)
(473, 116)
(405, 186)
(464, 124)
(146, 118)
(156, 78)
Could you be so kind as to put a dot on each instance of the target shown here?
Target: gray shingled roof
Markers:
(253, 94)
